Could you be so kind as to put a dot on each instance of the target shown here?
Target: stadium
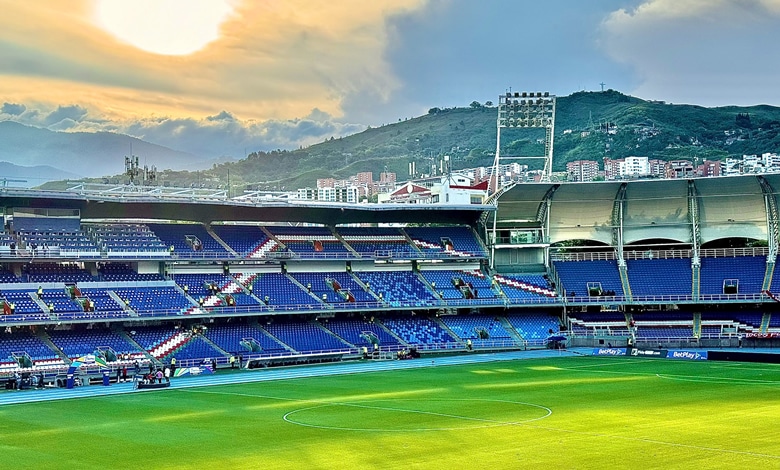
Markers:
(298, 334)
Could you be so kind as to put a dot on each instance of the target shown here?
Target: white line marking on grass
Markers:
(489, 422)
(611, 363)
(745, 368)
(728, 380)
(324, 403)
(687, 378)
(520, 424)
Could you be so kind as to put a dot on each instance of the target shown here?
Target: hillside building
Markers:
(582, 170)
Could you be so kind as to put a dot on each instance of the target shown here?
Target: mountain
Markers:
(30, 175)
(86, 154)
(588, 126)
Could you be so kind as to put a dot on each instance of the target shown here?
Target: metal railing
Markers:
(25, 255)
(630, 253)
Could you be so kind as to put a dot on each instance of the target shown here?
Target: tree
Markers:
(743, 120)
(488, 103)
(475, 104)
(434, 111)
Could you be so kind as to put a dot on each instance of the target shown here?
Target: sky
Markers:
(226, 77)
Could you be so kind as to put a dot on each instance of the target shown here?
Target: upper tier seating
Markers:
(658, 277)
(534, 288)
(55, 242)
(344, 282)
(103, 301)
(197, 284)
(310, 242)
(21, 223)
(377, 241)
(244, 240)
(53, 272)
(575, 276)
(123, 240)
(747, 270)
(145, 300)
(119, 272)
(452, 241)
(60, 300)
(455, 285)
(278, 289)
(25, 304)
(188, 240)
(398, 287)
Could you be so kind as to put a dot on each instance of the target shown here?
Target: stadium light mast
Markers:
(521, 110)
(525, 110)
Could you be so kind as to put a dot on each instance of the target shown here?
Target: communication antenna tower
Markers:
(132, 169)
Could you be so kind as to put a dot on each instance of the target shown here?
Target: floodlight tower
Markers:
(521, 110)
(525, 110)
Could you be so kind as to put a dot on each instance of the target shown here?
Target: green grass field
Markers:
(578, 412)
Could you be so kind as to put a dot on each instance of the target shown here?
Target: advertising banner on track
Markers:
(648, 352)
(689, 355)
(609, 352)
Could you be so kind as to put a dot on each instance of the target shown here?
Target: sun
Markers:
(165, 27)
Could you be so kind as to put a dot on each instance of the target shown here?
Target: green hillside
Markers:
(589, 125)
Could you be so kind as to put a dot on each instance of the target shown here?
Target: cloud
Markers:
(72, 114)
(452, 52)
(13, 109)
(709, 52)
(272, 61)
(229, 136)
(222, 116)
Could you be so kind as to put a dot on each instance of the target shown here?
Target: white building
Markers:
(633, 167)
(349, 194)
(752, 164)
(456, 189)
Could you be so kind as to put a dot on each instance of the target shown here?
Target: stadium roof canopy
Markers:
(192, 208)
(651, 209)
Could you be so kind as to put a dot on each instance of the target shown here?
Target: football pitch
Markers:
(566, 412)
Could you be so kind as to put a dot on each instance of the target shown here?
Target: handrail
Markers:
(632, 254)
(26, 255)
